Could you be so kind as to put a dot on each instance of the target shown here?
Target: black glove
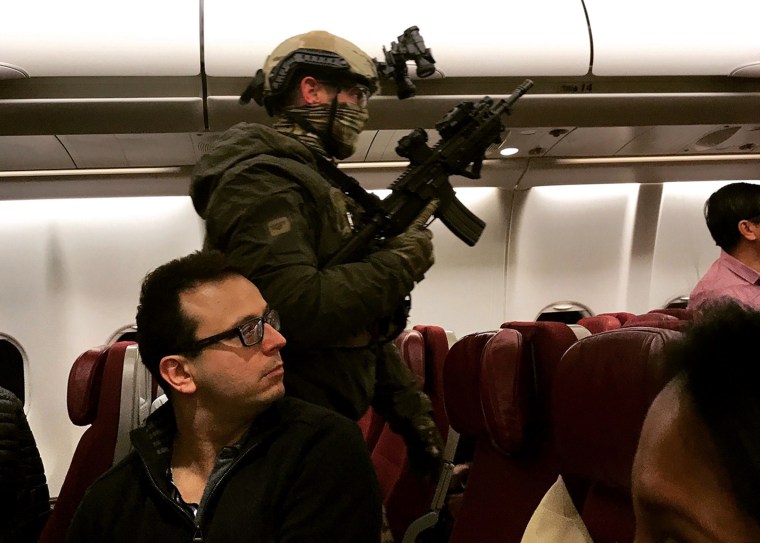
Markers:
(424, 447)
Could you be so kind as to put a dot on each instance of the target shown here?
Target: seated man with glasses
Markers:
(274, 200)
(228, 458)
(732, 214)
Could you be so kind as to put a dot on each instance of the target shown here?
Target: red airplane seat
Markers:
(656, 320)
(93, 397)
(600, 323)
(436, 349)
(110, 390)
(500, 396)
(371, 424)
(602, 389)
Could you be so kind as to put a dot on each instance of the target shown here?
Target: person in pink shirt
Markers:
(732, 214)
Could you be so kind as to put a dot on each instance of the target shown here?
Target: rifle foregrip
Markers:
(462, 222)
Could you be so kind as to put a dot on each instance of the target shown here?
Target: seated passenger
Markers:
(732, 214)
(24, 498)
(696, 475)
(228, 458)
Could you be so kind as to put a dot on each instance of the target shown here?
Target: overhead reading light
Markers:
(505, 149)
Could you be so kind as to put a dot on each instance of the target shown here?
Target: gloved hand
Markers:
(415, 246)
(424, 447)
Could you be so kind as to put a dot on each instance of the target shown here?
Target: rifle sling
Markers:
(348, 184)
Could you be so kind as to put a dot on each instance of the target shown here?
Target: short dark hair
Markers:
(714, 365)
(162, 327)
(726, 207)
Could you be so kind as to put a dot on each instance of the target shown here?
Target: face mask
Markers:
(347, 124)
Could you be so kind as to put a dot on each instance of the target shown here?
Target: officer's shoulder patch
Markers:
(279, 226)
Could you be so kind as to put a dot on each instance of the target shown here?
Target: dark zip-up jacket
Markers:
(24, 498)
(301, 474)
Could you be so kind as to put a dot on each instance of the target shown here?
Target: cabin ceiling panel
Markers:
(130, 150)
(85, 38)
(600, 141)
(41, 152)
(677, 37)
(488, 39)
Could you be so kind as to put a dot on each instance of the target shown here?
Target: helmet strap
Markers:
(331, 144)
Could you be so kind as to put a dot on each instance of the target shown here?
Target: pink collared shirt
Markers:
(727, 277)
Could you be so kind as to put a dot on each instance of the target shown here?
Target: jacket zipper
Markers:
(198, 533)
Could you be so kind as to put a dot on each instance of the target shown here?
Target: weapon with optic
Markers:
(466, 131)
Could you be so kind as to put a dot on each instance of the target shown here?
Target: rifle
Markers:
(466, 133)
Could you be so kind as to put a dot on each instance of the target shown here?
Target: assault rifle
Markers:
(466, 133)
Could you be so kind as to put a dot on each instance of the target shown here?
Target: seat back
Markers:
(109, 390)
(500, 396)
(602, 391)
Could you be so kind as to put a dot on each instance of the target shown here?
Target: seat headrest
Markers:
(436, 348)
(636, 320)
(83, 390)
(602, 391)
(412, 348)
(461, 384)
(678, 312)
(507, 384)
(600, 323)
(621, 316)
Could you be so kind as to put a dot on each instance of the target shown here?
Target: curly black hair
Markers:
(717, 363)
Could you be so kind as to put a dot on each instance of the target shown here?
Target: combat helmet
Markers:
(317, 51)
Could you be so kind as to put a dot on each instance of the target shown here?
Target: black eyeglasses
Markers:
(250, 332)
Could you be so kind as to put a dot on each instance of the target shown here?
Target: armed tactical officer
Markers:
(274, 201)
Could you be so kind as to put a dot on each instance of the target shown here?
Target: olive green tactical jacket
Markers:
(268, 207)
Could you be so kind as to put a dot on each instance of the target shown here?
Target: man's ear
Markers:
(748, 230)
(176, 372)
(311, 91)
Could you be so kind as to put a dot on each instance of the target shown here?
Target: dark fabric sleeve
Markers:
(271, 227)
(25, 504)
(36, 497)
(336, 496)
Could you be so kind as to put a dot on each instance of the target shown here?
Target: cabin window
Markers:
(125, 333)
(12, 362)
(567, 312)
(679, 302)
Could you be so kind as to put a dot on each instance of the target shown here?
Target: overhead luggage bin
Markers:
(477, 47)
(476, 39)
(675, 38)
(100, 67)
(84, 38)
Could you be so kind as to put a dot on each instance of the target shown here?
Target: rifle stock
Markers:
(466, 133)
